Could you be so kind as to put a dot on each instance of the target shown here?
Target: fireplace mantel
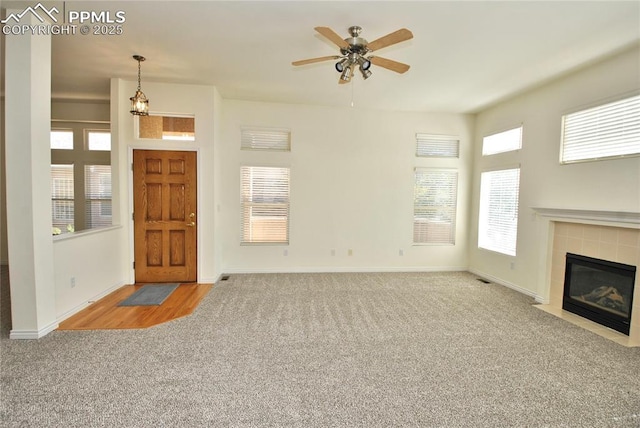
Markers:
(619, 217)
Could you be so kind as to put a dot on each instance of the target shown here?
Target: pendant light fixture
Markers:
(139, 102)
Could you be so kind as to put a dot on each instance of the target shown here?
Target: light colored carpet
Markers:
(330, 350)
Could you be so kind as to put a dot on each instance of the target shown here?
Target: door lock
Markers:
(191, 223)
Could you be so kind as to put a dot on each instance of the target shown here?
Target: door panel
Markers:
(164, 199)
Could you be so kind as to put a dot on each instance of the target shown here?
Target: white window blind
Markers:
(266, 139)
(500, 142)
(428, 145)
(97, 191)
(604, 131)
(62, 198)
(264, 204)
(498, 219)
(434, 206)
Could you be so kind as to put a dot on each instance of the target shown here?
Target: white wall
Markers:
(167, 99)
(89, 258)
(4, 246)
(72, 110)
(351, 188)
(612, 185)
(218, 184)
(87, 267)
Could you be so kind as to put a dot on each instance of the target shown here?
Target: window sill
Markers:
(67, 236)
(263, 244)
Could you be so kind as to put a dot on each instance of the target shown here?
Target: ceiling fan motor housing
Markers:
(357, 45)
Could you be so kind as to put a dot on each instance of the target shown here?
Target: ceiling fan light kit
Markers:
(353, 51)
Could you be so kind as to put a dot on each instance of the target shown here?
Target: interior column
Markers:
(28, 181)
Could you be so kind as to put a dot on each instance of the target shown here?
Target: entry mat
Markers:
(150, 295)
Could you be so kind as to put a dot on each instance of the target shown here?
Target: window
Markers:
(167, 127)
(80, 177)
(437, 146)
(498, 219)
(99, 140)
(265, 139)
(505, 141)
(264, 204)
(62, 140)
(434, 206)
(97, 192)
(605, 131)
(62, 198)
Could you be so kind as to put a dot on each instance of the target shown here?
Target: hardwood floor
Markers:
(106, 314)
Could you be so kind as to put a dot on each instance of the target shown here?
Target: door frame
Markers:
(129, 216)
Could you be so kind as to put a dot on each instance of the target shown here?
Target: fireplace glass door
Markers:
(599, 290)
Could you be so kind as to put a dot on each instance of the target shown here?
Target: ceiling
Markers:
(464, 55)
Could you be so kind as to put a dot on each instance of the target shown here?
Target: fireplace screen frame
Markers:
(609, 319)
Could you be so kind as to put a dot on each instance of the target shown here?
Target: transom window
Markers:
(265, 139)
(606, 131)
(505, 141)
(167, 127)
(443, 146)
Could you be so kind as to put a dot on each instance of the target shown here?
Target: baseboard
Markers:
(33, 334)
(541, 300)
(347, 269)
(84, 304)
(506, 284)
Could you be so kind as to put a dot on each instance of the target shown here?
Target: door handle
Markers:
(192, 223)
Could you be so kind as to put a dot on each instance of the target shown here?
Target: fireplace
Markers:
(599, 290)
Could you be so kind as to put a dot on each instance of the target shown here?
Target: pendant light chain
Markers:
(138, 74)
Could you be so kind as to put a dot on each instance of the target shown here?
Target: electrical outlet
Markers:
(350, 252)
(512, 265)
(333, 252)
(73, 281)
(285, 252)
(401, 252)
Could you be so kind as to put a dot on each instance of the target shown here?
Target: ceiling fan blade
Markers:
(312, 60)
(333, 36)
(389, 64)
(390, 39)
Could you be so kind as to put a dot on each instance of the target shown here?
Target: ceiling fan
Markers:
(353, 51)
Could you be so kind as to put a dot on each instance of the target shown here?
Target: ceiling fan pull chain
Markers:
(352, 84)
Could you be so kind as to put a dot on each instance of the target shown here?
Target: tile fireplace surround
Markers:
(607, 235)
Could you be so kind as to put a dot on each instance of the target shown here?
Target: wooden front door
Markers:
(165, 216)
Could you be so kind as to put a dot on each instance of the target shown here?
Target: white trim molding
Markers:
(33, 334)
(625, 217)
(507, 284)
(343, 269)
